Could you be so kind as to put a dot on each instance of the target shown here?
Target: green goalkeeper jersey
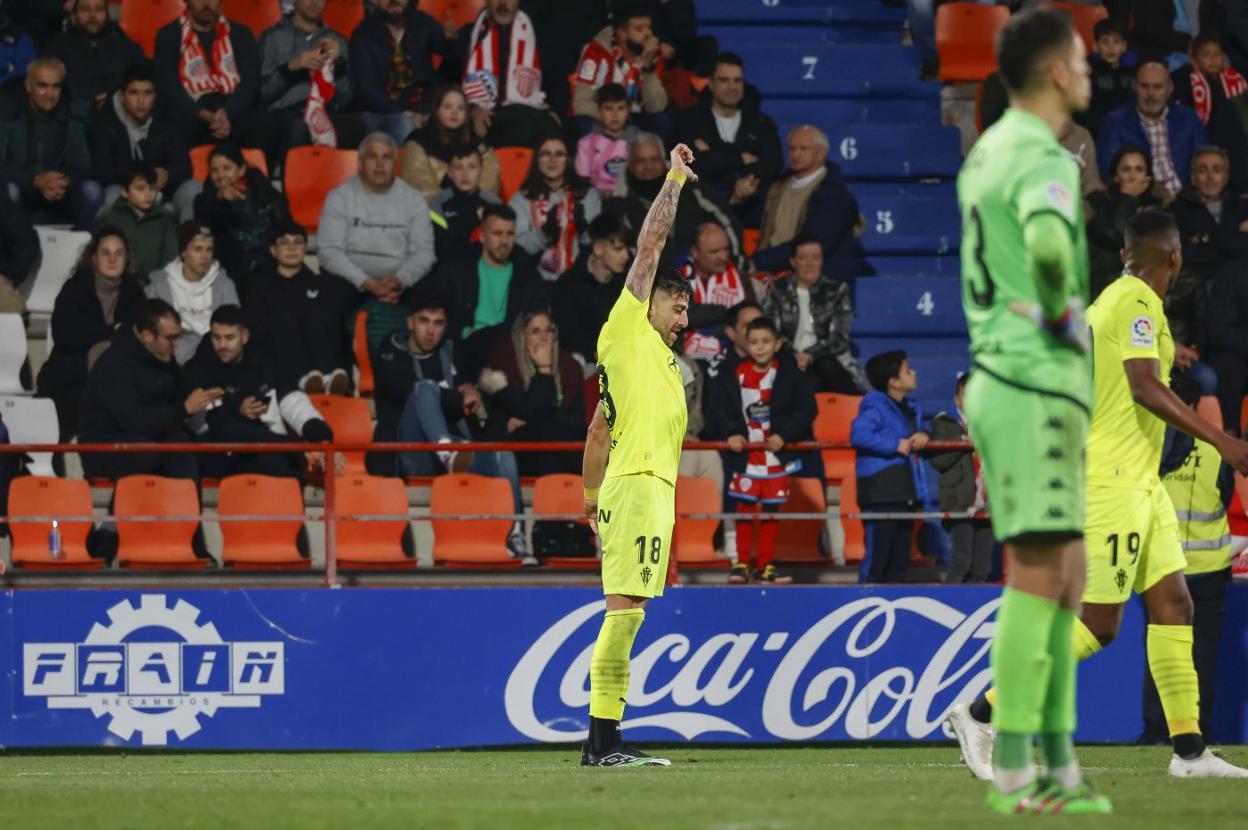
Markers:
(1015, 171)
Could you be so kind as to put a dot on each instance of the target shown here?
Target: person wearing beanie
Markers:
(302, 318)
(195, 285)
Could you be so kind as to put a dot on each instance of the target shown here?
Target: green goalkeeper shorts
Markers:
(1031, 449)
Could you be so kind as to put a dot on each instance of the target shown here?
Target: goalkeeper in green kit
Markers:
(1029, 400)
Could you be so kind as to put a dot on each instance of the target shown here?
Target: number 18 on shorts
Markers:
(635, 518)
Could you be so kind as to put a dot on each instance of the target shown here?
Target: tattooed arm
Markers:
(654, 230)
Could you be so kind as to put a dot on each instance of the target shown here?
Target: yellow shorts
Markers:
(1132, 538)
(635, 518)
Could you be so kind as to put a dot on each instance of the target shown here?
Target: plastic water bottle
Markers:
(54, 541)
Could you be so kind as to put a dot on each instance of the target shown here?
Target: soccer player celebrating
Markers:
(1028, 400)
(631, 456)
(1132, 528)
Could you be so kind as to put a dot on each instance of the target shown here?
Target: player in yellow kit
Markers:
(631, 458)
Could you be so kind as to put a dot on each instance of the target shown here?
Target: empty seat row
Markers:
(834, 70)
(789, 12)
(924, 306)
(910, 225)
(888, 151)
(907, 111)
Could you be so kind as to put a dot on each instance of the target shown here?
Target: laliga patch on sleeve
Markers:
(1060, 197)
(1142, 332)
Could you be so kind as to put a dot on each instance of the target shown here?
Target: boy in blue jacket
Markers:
(886, 436)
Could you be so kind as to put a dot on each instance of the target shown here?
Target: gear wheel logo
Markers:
(153, 670)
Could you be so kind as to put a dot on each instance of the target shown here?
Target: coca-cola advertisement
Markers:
(419, 668)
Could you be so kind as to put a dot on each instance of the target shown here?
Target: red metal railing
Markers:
(330, 515)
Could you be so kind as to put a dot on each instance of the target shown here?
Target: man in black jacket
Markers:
(255, 402)
(96, 52)
(134, 395)
(129, 128)
(738, 145)
(210, 90)
(584, 294)
(19, 244)
(302, 318)
(422, 395)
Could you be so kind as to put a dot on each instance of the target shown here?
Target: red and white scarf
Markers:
(726, 289)
(562, 253)
(315, 115)
(524, 69)
(1233, 84)
(200, 77)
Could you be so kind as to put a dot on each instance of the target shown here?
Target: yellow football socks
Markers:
(608, 665)
(1169, 650)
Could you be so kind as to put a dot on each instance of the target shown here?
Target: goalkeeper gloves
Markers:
(1071, 329)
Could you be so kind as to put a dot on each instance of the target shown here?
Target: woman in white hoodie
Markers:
(195, 284)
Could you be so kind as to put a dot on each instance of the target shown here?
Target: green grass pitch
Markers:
(714, 788)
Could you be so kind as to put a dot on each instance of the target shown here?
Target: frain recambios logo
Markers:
(153, 670)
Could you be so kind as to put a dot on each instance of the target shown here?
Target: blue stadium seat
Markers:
(873, 151)
(930, 348)
(946, 191)
(731, 36)
(908, 305)
(780, 12)
(916, 266)
(835, 71)
(909, 225)
(913, 111)
(937, 373)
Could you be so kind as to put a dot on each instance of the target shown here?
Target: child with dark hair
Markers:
(150, 227)
(461, 203)
(767, 400)
(602, 155)
(887, 436)
(962, 494)
(1113, 69)
(1209, 81)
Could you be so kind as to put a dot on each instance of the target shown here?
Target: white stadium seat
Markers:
(59, 249)
(12, 354)
(32, 421)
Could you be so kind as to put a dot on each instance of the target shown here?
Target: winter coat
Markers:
(153, 238)
(526, 289)
(110, 147)
(885, 476)
(581, 306)
(832, 308)
(831, 214)
(243, 230)
(19, 243)
(65, 151)
(1228, 314)
(282, 89)
(1208, 243)
(721, 165)
(1111, 89)
(426, 160)
(460, 214)
(131, 395)
(371, 58)
(17, 50)
(956, 468)
(1122, 127)
(77, 325)
(304, 322)
(181, 109)
(395, 374)
(94, 65)
(1110, 211)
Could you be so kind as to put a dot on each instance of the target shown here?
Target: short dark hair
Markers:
(428, 299)
(1147, 226)
(1203, 39)
(228, 315)
(611, 94)
(137, 170)
(463, 151)
(608, 226)
(626, 11)
(804, 238)
(734, 313)
(287, 227)
(499, 212)
(730, 58)
(149, 311)
(884, 367)
(137, 72)
(1108, 26)
(673, 283)
(1129, 150)
(229, 150)
(760, 323)
(1026, 40)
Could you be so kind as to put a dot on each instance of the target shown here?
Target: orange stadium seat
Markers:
(372, 544)
(797, 540)
(157, 544)
(359, 345)
(311, 172)
(965, 38)
(254, 157)
(1085, 19)
(855, 534)
(513, 167)
(471, 542)
(352, 423)
(142, 19)
(343, 16)
(835, 415)
(562, 494)
(749, 240)
(692, 539)
(256, 15)
(44, 496)
(261, 544)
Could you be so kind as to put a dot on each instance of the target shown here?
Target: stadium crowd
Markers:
(196, 311)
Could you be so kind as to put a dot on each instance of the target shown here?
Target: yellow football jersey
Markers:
(1125, 440)
(642, 393)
